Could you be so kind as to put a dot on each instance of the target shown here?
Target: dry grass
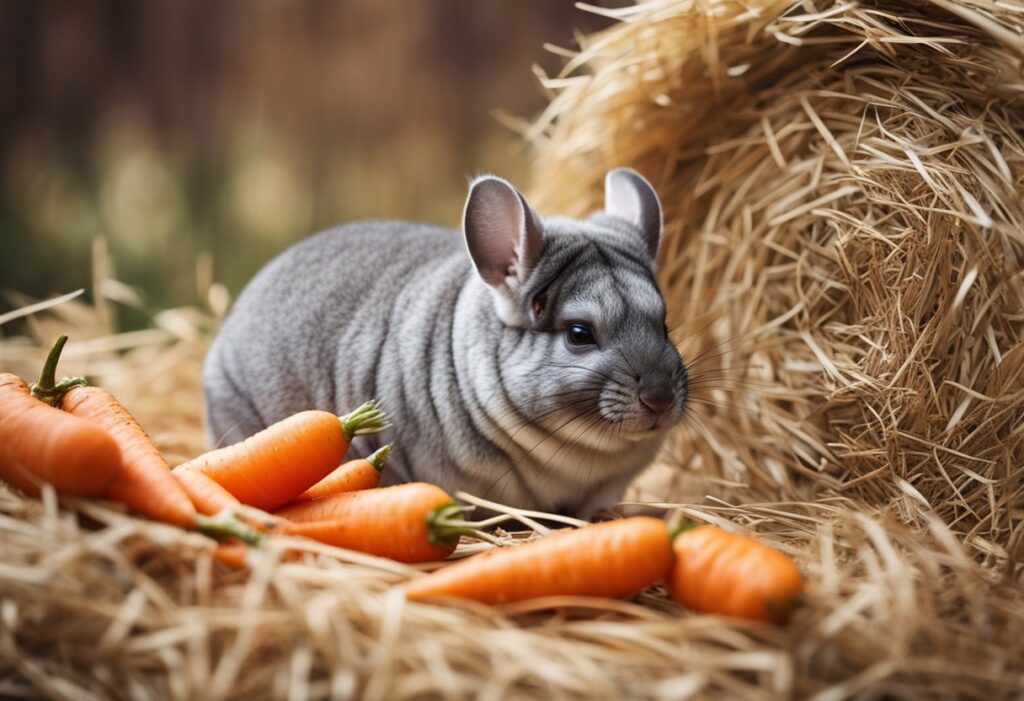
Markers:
(843, 260)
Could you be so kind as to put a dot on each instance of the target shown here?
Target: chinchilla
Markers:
(525, 361)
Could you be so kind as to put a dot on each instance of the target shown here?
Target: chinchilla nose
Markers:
(658, 397)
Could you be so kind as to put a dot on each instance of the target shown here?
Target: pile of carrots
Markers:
(290, 479)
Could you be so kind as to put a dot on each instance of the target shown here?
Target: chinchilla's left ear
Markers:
(627, 195)
(503, 234)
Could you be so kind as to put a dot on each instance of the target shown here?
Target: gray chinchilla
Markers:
(526, 361)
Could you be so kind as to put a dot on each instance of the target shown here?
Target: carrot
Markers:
(613, 559)
(362, 473)
(234, 555)
(407, 522)
(207, 496)
(144, 482)
(720, 572)
(39, 443)
(280, 462)
(210, 499)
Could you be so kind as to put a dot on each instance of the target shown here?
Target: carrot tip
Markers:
(367, 418)
(258, 517)
(378, 457)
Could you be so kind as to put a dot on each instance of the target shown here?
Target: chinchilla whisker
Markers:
(521, 426)
(515, 466)
(588, 423)
(582, 390)
(748, 411)
(592, 455)
(698, 425)
(619, 391)
(734, 383)
(585, 416)
(693, 331)
(735, 370)
(717, 349)
(727, 386)
(535, 417)
(575, 391)
(586, 369)
(592, 452)
(535, 421)
(565, 401)
(580, 430)
(587, 384)
(626, 361)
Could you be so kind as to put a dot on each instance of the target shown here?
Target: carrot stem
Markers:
(445, 525)
(367, 418)
(678, 523)
(378, 457)
(226, 525)
(47, 389)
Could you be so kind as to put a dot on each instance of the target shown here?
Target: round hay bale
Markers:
(842, 188)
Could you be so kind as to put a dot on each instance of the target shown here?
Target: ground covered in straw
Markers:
(842, 187)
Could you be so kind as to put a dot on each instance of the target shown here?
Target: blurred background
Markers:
(221, 131)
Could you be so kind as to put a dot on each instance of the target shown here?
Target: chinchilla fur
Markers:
(524, 360)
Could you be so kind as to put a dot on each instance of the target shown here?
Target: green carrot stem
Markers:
(367, 418)
(378, 457)
(47, 389)
(444, 524)
(678, 523)
(225, 524)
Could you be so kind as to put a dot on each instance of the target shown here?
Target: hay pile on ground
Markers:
(842, 193)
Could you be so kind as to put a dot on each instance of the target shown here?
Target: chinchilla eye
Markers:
(580, 335)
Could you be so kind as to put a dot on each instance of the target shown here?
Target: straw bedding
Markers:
(842, 190)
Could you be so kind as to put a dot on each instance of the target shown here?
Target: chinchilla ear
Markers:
(627, 195)
(503, 234)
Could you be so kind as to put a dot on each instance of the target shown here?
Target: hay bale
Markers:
(842, 196)
(842, 185)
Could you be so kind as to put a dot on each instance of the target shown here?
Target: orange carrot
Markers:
(407, 522)
(720, 572)
(612, 559)
(39, 443)
(234, 555)
(210, 499)
(207, 496)
(361, 473)
(280, 462)
(145, 483)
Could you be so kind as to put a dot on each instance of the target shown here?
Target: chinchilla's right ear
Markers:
(503, 234)
(629, 196)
